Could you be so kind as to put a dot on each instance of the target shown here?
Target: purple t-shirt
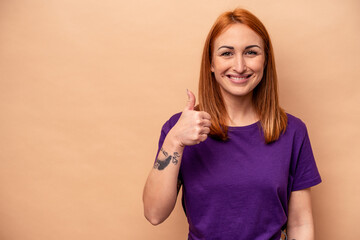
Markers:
(240, 188)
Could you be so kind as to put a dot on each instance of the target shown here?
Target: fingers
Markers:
(205, 115)
(190, 105)
(205, 131)
(205, 123)
(191, 100)
(194, 125)
(202, 138)
(202, 134)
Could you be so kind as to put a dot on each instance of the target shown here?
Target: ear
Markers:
(212, 68)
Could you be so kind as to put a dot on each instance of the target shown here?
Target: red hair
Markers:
(273, 119)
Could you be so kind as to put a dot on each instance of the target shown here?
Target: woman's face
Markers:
(238, 60)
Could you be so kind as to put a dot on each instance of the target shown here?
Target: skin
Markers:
(238, 65)
(162, 185)
(239, 52)
(300, 220)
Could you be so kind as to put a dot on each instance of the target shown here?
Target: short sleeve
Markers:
(165, 130)
(305, 173)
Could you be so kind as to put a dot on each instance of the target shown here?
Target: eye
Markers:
(226, 54)
(251, 52)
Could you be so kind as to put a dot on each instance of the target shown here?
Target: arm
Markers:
(161, 187)
(160, 190)
(300, 222)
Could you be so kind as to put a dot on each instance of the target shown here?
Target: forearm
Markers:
(160, 190)
(300, 220)
(301, 232)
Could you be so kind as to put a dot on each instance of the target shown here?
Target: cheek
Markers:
(257, 65)
(219, 67)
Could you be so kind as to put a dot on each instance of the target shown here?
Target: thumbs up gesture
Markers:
(192, 127)
(191, 101)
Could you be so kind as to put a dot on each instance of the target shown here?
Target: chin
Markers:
(238, 94)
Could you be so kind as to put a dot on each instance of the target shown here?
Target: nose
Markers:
(239, 64)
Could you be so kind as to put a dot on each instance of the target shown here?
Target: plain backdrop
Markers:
(86, 85)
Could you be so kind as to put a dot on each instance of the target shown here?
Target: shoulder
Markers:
(295, 125)
(295, 121)
(171, 122)
(174, 118)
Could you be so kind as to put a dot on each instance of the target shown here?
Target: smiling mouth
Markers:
(239, 78)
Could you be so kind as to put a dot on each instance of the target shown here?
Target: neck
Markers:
(240, 110)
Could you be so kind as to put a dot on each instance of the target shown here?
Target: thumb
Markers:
(191, 100)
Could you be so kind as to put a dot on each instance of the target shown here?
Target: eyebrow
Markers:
(232, 48)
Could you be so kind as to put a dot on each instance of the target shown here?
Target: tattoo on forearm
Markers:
(164, 152)
(175, 158)
(162, 164)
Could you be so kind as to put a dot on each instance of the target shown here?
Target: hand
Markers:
(192, 127)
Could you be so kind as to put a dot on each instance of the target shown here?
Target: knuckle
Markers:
(197, 130)
(195, 136)
(207, 123)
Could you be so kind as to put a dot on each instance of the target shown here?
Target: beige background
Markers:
(86, 85)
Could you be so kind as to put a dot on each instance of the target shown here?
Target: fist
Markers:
(192, 127)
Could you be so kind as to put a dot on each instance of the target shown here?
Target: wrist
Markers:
(174, 142)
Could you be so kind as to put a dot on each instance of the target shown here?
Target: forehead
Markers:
(238, 35)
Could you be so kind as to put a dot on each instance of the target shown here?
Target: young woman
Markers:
(245, 165)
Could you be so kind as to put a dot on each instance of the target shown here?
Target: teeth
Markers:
(238, 78)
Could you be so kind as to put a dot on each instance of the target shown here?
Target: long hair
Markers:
(273, 119)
